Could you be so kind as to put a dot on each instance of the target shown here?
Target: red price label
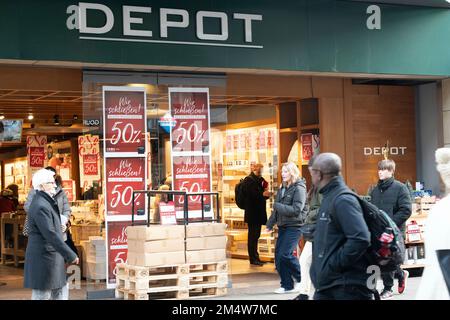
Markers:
(117, 247)
(125, 120)
(123, 176)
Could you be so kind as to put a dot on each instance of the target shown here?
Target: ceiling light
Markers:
(75, 117)
(2, 117)
(30, 117)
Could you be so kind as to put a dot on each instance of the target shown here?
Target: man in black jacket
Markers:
(339, 268)
(255, 210)
(392, 197)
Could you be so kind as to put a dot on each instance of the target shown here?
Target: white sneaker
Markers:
(283, 290)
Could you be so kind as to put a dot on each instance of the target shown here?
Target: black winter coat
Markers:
(341, 239)
(46, 252)
(393, 197)
(255, 202)
(290, 209)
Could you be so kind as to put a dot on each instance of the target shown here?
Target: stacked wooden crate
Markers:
(94, 258)
(206, 257)
(159, 266)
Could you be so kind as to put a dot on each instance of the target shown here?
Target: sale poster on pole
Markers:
(36, 151)
(307, 147)
(117, 247)
(125, 158)
(124, 121)
(123, 176)
(191, 154)
(89, 157)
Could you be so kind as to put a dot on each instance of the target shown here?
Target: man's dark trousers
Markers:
(254, 232)
(348, 292)
(388, 278)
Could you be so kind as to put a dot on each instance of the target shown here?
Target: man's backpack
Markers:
(387, 249)
(239, 194)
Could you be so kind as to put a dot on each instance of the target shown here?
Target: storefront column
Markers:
(446, 111)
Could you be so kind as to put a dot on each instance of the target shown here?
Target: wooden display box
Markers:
(205, 229)
(155, 259)
(203, 256)
(83, 232)
(157, 246)
(156, 232)
(205, 243)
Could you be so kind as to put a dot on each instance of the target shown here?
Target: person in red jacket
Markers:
(6, 201)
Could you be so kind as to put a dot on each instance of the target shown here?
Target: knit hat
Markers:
(443, 165)
(42, 176)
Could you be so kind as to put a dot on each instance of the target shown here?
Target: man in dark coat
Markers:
(339, 268)
(46, 253)
(392, 197)
(255, 210)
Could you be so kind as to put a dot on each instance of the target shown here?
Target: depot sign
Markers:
(134, 18)
(379, 151)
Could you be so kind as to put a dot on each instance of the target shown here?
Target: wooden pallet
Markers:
(208, 292)
(219, 279)
(221, 266)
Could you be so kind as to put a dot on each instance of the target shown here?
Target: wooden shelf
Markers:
(310, 127)
(289, 130)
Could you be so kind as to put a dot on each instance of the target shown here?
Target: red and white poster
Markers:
(36, 151)
(307, 147)
(123, 176)
(167, 213)
(125, 171)
(89, 155)
(191, 154)
(117, 247)
(124, 120)
(69, 188)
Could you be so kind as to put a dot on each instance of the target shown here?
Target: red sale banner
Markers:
(69, 188)
(167, 213)
(117, 247)
(191, 157)
(89, 157)
(124, 120)
(192, 175)
(36, 151)
(125, 159)
(307, 147)
(123, 176)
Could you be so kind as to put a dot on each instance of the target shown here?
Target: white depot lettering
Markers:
(72, 21)
(378, 151)
(168, 18)
(165, 23)
(128, 20)
(248, 23)
(223, 25)
(83, 7)
(374, 21)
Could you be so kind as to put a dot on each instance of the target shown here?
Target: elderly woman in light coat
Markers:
(437, 237)
(46, 253)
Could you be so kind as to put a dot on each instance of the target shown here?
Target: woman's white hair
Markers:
(293, 170)
(42, 176)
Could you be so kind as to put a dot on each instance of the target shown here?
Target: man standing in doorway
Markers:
(392, 197)
(339, 267)
(256, 194)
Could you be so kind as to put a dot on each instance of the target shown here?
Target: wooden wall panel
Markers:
(327, 87)
(39, 78)
(262, 85)
(372, 120)
(332, 124)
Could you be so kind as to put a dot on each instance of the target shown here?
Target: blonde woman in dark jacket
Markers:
(289, 214)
